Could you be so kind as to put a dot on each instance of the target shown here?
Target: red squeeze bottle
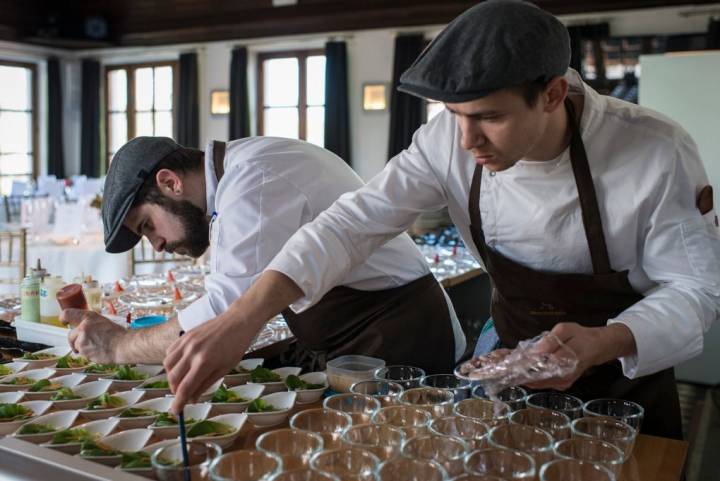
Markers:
(71, 297)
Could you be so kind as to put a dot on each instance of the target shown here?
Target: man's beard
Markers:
(195, 226)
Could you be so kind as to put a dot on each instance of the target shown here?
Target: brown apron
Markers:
(407, 325)
(526, 302)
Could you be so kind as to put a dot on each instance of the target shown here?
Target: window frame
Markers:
(33, 115)
(301, 56)
(130, 69)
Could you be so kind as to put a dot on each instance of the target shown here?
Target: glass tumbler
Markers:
(530, 440)
(404, 469)
(448, 451)
(592, 450)
(201, 455)
(607, 429)
(626, 411)
(472, 431)
(294, 446)
(556, 401)
(411, 420)
(328, 423)
(245, 465)
(359, 407)
(555, 423)
(506, 463)
(407, 376)
(461, 388)
(574, 470)
(437, 402)
(490, 412)
(383, 440)
(386, 392)
(347, 464)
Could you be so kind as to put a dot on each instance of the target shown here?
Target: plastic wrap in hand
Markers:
(529, 362)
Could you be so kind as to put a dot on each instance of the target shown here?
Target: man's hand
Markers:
(92, 335)
(592, 345)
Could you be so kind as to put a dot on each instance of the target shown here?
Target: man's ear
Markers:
(169, 182)
(555, 93)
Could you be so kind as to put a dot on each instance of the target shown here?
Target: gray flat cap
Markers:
(493, 45)
(131, 165)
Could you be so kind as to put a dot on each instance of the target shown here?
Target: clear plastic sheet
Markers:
(529, 362)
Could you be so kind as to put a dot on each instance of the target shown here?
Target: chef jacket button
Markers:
(492, 174)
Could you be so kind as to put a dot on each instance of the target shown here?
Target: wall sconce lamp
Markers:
(219, 102)
(374, 97)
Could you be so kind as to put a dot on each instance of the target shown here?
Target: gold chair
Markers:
(143, 254)
(13, 255)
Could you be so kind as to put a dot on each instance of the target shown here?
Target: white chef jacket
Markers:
(646, 172)
(269, 189)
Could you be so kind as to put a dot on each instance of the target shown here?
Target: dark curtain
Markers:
(56, 159)
(90, 105)
(713, 35)
(406, 111)
(239, 111)
(594, 33)
(337, 117)
(188, 112)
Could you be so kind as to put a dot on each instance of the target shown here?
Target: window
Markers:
(140, 101)
(291, 95)
(18, 124)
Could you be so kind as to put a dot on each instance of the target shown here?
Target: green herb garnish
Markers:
(239, 370)
(209, 428)
(106, 401)
(100, 368)
(224, 395)
(137, 412)
(44, 385)
(261, 374)
(137, 460)
(169, 419)
(64, 394)
(157, 385)
(294, 383)
(74, 435)
(37, 429)
(92, 448)
(260, 406)
(39, 356)
(68, 362)
(5, 371)
(14, 412)
(126, 373)
(20, 381)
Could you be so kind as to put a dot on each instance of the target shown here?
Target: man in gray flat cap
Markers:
(582, 209)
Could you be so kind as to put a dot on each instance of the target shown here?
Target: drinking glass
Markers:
(607, 429)
(490, 412)
(530, 440)
(347, 464)
(411, 420)
(200, 456)
(506, 463)
(460, 387)
(626, 411)
(437, 402)
(294, 446)
(383, 440)
(407, 376)
(448, 451)
(555, 423)
(245, 465)
(472, 431)
(304, 474)
(386, 392)
(328, 423)
(557, 401)
(513, 396)
(574, 470)
(592, 450)
(404, 469)
(359, 407)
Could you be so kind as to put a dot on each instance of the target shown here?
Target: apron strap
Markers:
(219, 158)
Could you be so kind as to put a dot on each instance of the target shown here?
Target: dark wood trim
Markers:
(302, 96)
(34, 122)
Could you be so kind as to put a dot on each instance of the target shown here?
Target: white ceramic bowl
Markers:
(99, 429)
(94, 376)
(235, 420)
(247, 364)
(11, 397)
(60, 420)
(69, 380)
(68, 370)
(120, 385)
(283, 401)
(305, 396)
(246, 391)
(151, 393)
(34, 374)
(57, 353)
(15, 367)
(130, 398)
(198, 411)
(283, 372)
(87, 392)
(38, 408)
(126, 441)
(157, 404)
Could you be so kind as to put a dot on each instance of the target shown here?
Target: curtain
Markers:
(337, 117)
(713, 35)
(406, 111)
(188, 112)
(239, 111)
(595, 33)
(56, 159)
(90, 113)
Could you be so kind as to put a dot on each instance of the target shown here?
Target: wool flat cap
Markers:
(493, 45)
(130, 167)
